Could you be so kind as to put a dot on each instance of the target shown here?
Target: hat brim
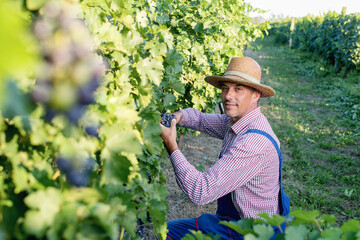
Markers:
(217, 81)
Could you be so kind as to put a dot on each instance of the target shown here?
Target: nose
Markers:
(229, 94)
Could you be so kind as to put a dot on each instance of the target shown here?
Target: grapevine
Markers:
(82, 136)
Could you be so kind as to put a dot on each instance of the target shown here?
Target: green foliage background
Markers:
(333, 36)
(156, 54)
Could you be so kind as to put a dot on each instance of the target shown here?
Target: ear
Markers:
(256, 95)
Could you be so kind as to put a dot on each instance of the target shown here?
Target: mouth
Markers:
(230, 105)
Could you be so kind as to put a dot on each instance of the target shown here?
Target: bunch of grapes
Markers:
(76, 171)
(166, 119)
(70, 72)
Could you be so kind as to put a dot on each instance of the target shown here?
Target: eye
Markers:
(224, 88)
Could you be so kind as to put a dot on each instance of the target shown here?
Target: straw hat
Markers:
(245, 71)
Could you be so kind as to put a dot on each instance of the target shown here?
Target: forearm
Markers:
(198, 186)
(171, 146)
(212, 124)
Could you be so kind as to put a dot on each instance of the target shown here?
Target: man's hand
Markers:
(178, 116)
(168, 135)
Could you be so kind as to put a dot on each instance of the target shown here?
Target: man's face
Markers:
(238, 100)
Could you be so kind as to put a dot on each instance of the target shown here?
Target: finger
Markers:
(173, 123)
(178, 116)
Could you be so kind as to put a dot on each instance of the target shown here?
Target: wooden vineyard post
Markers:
(292, 27)
(181, 140)
(343, 11)
(221, 107)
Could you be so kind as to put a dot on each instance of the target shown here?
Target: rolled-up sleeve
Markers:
(212, 124)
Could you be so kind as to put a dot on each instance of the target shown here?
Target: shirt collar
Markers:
(240, 124)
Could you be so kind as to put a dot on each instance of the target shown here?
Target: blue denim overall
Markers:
(209, 223)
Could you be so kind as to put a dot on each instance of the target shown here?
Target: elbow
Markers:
(198, 200)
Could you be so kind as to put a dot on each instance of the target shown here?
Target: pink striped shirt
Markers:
(248, 168)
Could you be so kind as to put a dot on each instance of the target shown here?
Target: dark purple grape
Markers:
(49, 114)
(63, 164)
(92, 131)
(166, 119)
(42, 92)
(149, 177)
(86, 93)
(75, 113)
(77, 178)
(89, 164)
(140, 228)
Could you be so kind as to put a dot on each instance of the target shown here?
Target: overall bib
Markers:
(226, 211)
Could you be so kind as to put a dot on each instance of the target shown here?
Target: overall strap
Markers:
(284, 199)
(273, 142)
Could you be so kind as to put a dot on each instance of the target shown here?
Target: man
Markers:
(245, 179)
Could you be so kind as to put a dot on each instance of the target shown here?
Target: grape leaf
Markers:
(275, 220)
(264, 232)
(44, 205)
(296, 232)
(177, 86)
(351, 226)
(116, 168)
(150, 70)
(35, 4)
(169, 99)
(243, 226)
(117, 141)
(20, 178)
(331, 234)
(305, 217)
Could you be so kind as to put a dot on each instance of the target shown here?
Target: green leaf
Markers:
(329, 219)
(86, 195)
(243, 226)
(144, 95)
(150, 70)
(331, 234)
(98, 3)
(20, 178)
(16, 43)
(264, 232)
(275, 220)
(17, 102)
(35, 4)
(117, 140)
(177, 86)
(127, 212)
(152, 139)
(305, 217)
(116, 168)
(64, 222)
(44, 205)
(35, 223)
(250, 237)
(141, 18)
(351, 226)
(169, 99)
(296, 232)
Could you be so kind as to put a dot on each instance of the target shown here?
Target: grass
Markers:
(315, 113)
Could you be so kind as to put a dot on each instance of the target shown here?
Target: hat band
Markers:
(243, 75)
